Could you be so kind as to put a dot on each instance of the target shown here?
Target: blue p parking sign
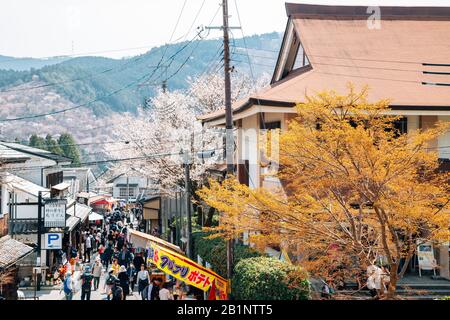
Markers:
(53, 241)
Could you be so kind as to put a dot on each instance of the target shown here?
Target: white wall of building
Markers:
(250, 148)
(23, 211)
(141, 182)
(34, 172)
(444, 141)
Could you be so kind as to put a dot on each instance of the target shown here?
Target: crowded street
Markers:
(110, 268)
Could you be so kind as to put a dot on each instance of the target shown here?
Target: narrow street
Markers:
(100, 294)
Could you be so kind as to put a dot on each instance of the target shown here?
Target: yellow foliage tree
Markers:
(354, 189)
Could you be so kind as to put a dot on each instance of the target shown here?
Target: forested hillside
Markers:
(82, 80)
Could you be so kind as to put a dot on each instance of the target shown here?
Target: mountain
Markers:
(26, 64)
(97, 77)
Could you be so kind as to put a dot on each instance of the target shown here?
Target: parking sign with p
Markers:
(53, 241)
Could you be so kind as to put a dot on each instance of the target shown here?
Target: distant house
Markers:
(7, 156)
(130, 187)
(33, 169)
(327, 47)
(79, 179)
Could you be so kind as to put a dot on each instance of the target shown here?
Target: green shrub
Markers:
(214, 251)
(265, 278)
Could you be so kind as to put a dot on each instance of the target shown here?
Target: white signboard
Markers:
(55, 213)
(425, 255)
(53, 241)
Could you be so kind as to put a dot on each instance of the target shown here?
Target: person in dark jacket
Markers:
(117, 291)
(154, 295)
(107, 256)
(124, 257)
(138, 260)
(132, 274)
(124, 281)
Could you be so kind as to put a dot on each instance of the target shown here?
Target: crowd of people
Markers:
(108, 254)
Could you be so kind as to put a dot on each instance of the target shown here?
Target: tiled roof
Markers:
(36, 152)
(11, 251)
(9, 155)
(405, 60)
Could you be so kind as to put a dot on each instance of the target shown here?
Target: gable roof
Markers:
(8, 155)
(36, 152)
(21, 184)
(406, 60)
(11, 251)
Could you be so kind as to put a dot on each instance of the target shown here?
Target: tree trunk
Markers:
(199, 210)
(392, 288)
(209, 217)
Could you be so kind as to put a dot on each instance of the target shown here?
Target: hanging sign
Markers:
(55, 213)
(187, 271)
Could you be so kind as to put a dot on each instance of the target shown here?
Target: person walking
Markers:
(109, 283)
(132, 273)
(68, 286)
(97, 272)
(117, 291)
(115, 267)
(164, 293)
(124, 258)
(88, 247)
(143, 278)
(124, 282)
(153, 292)
(138, 260)
(86, 284)
(107, 255)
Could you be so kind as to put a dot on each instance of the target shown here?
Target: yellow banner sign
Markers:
(187, 271)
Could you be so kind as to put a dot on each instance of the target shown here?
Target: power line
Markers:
(77, 106)
(93, 163)
(136, 82)
(258, 64)
(254, 55)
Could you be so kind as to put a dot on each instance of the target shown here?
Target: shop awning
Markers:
(62, 186)
(71, 223)
(94, 216)
(104, 201)
(78, 213)
(143, 240)
(11, 251)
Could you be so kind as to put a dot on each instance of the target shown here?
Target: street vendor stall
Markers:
(95, 218)
(170, 259)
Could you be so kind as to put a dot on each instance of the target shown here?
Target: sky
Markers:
(119, 28)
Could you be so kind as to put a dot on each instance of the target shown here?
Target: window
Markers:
(401, 125)
(301, 59)
(271, 125)
(123, 192)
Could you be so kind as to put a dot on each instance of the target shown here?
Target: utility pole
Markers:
(187, 185)
(229, 120)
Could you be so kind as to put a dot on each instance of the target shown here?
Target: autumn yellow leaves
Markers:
(352, 181)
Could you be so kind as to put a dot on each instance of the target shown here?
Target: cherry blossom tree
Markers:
(160, 136)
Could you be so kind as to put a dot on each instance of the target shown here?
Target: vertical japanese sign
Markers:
(187, 271)
(55, 213)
